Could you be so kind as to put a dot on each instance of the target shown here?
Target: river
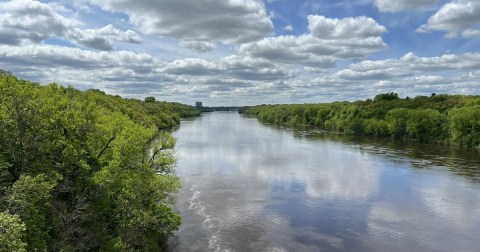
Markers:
(254, 187)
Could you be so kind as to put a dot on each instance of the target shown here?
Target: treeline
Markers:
(442, 118)
(83, 171)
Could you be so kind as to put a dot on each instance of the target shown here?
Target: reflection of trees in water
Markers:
(462, 161)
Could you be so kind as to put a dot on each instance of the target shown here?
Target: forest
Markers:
(82, 170)
(447, 119)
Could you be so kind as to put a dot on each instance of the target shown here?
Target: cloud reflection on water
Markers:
(271, 191)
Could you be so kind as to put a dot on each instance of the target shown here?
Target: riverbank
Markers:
(447, 119)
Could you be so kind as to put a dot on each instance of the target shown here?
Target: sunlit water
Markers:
(254, 187)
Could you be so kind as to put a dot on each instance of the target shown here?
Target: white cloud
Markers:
(346, 28)
(401, 5)
(471, 33)
(413, 63)
(229, 68)
(190, 66)
(226, 21)
(270, 69)
(137, 74)
(288, 28)
(373, 74)
(124, 73)
(27, 21)
(103, 38)
(314, 69)
(66, 57)
(408, 75)
(200, 46)
(457, 18)
(328, 40)
(24, 22)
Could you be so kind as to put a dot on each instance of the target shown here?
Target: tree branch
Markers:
(106, 146)
(155, 154)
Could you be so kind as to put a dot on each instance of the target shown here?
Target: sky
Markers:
(246, 52)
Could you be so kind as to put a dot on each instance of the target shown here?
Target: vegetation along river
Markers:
(254, 187)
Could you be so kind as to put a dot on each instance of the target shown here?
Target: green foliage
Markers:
(30, 198)
(439, 118)
(12, 233)
(375, 127)
(397, 122)
(149, 99)
(464, 125)
(115, 244)
(6, 73)
(85, 170)
(6, 178)
(386, 97)
(425, 125)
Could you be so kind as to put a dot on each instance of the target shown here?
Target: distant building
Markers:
(198, 104)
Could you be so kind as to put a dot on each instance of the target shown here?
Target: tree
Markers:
(136, 186)
(386, 97)
(397, 122)
(30, 198)
(12, 233)
(439, 118)
(78, 168)
(425, 125)
(149, 99)
(6, 73)
(464, 125)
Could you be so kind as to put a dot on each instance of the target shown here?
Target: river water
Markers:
(254, 187)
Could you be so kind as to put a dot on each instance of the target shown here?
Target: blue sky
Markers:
(243, 52)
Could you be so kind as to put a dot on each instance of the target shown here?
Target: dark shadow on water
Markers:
(462, 161)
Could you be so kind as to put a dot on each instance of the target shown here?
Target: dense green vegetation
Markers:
(451, 119)
(84, 170)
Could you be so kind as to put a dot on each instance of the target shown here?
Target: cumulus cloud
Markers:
(271, 69)
(346, 28)
(373, 74)
(226, 21)
(408, 75)
(58, 56)
(457, 18)
(200, 46)
(24, 22)
(328, 40)
(103, 38)
(288, 28)
(231, 67)
(116, 72)
(402, 5)
(228, 79)
(27, 21)
(190, 66)
(409, 67)
(471, 33)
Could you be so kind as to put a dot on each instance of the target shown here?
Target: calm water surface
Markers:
(253, 187)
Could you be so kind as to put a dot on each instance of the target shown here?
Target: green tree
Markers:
(12, 233)
(30, 199)
(79, 170)
(464, 125)
(149, 99)
(386, 97)
(425, 125)
(397, 122)
(439, 118)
